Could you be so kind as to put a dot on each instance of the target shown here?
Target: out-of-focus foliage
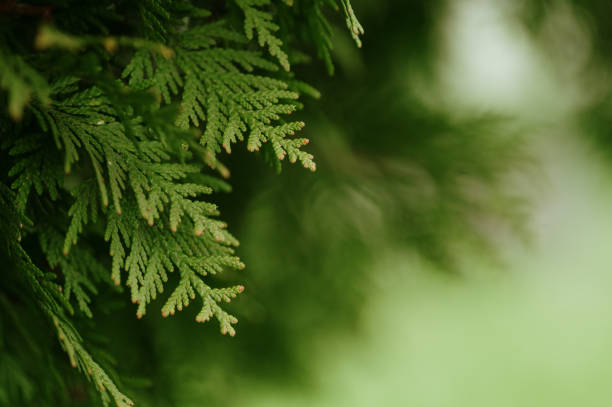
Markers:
(536, 340)
(576, 36)
(391, 174)
(592, 13)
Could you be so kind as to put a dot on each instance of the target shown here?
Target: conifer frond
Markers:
(220, 92)
(114, 112)
(84, 208)
(155, 17)
(190, 253)
(71, 342)
(261, 22)
(351, 21)
(319, 29)
(52, 303)
(81, 270)
(34, 169)
(86, 122)
(190, 284)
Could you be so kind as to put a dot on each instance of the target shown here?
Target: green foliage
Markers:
(113, 116)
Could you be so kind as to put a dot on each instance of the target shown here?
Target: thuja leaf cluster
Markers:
(115, 117)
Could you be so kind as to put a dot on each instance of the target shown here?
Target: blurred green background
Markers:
(453, 247)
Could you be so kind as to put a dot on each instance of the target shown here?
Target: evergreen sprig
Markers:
(114, 111)
(261, 22)
(49, 298)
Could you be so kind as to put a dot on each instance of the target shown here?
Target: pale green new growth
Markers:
(260, 22)
(219, 92)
